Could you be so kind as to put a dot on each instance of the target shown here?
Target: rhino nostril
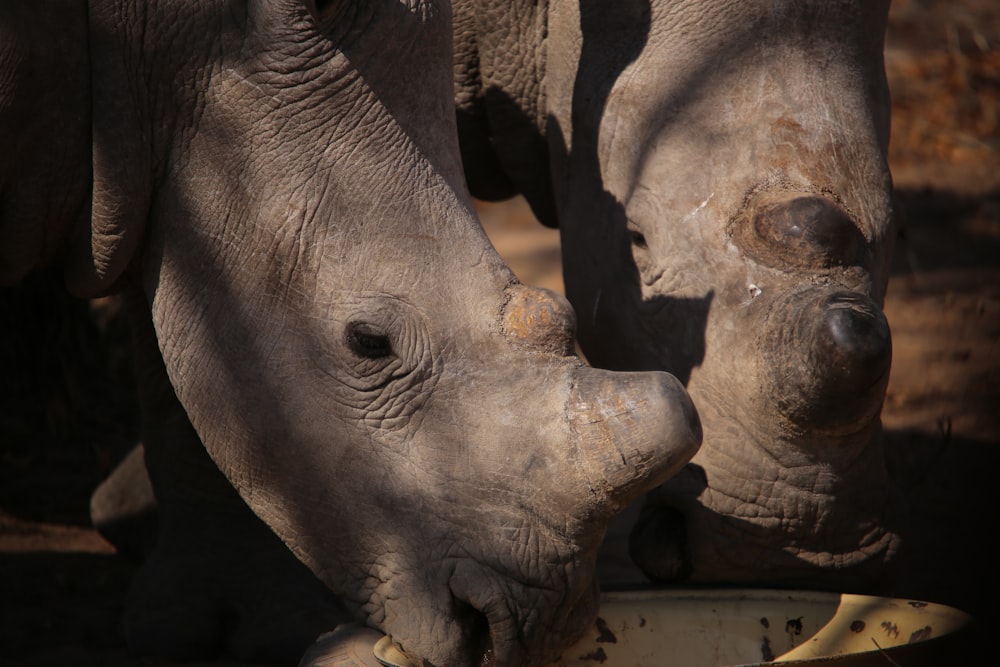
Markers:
(539, 319)
(792, 230)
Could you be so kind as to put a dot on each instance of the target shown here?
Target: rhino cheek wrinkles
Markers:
(381, 393)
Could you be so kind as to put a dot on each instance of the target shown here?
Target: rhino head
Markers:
(276, 187)
(718, 174)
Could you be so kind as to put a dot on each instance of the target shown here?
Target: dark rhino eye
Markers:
(365, 341)
(637, 238)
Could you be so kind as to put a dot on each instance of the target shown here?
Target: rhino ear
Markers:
(121, 161)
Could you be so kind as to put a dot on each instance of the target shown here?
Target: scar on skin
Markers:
(697, 208)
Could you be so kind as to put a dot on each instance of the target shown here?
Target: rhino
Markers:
(352, 410)
(718, 174)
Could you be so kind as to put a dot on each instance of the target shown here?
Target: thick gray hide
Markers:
(275, 188)
(718, 173)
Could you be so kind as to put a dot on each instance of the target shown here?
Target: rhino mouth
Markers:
(481, 625)
(479, 641)
(484, 609)
(476, 643)
(500, 620)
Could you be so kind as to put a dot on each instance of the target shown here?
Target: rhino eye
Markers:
(365, 341)
(637, 238)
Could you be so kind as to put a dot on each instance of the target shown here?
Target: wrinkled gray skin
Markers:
(275, 187)
(718, 173)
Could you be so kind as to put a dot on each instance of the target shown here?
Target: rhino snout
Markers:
(539, 319)
(829, 357)
(637, 429)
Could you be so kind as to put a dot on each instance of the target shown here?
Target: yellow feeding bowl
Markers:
(715, 628)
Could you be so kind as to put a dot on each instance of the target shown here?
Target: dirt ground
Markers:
(62, 587)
